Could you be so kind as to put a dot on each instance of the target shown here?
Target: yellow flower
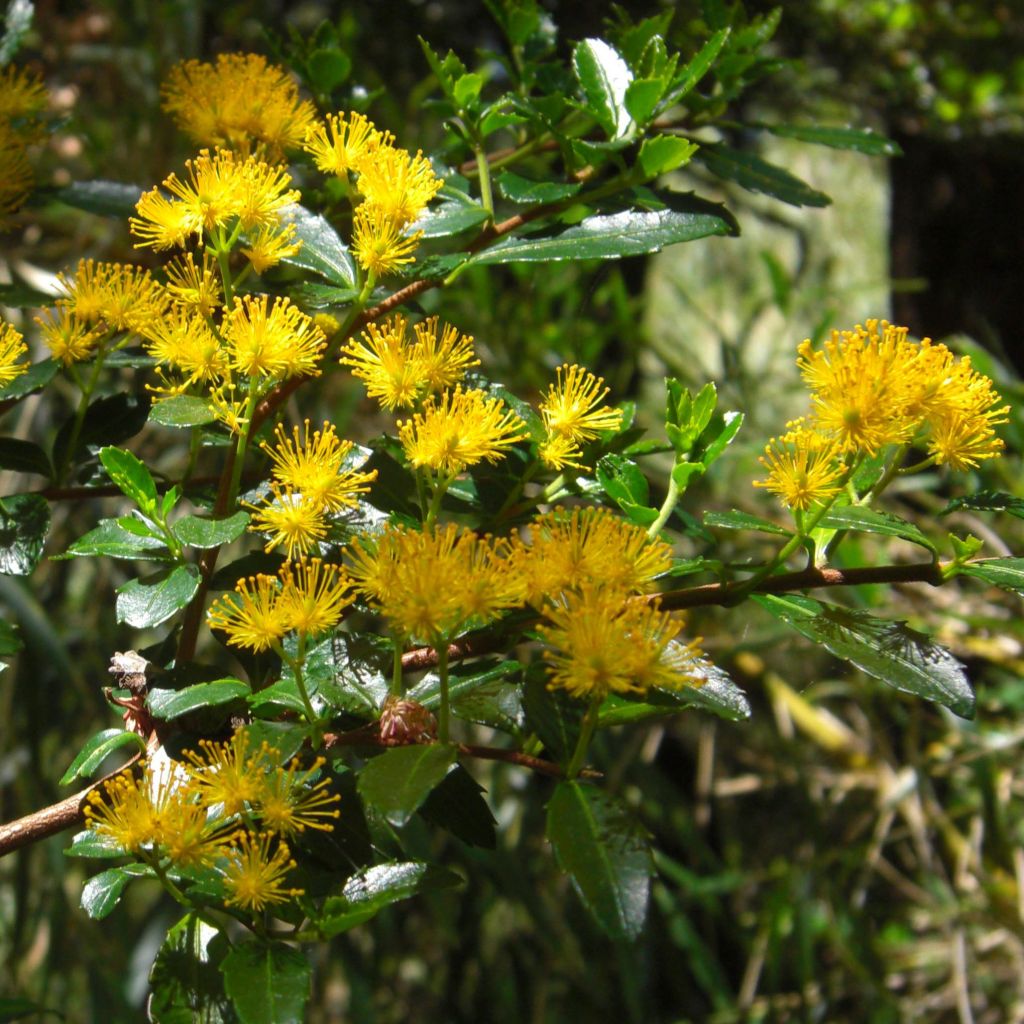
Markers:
(251, 616)
(254, 873)
(269, 246)
(113, 296)
(230, 774)
(961, 441)
(570, 408)
(125, 814)
(67, 338)
(184, 341)
(23, 96)
(557, 451)
(603, 643)
(458, 430)
(277, 341)
(295, 522)
(239, 102)
(442, 353)
(315, 466)
(16, 178)
(313, 596)
(229, 405)
(197, 287)
(343, 144)
(398, 184)
(804, 468)
(386, 364)
(290, 805)
(587, 547)
(12, 348)
(378, 244)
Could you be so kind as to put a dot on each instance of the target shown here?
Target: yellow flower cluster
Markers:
(12, 349)
(203, 813)
(310, 481)
(307, 597)
(395, 187)
(240, 102)
(572, 416)
(873, 388)
(434, 584)
(22, 100)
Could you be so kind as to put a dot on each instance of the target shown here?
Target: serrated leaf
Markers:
(463, 681)
(623, 480)
(987, 501)
(517, 189)
(92, 844)
(731, 423)
(606, 855)
(107, 198)
(170, 704)
(1002, 572)
(757, 175)
(322, 250)
(101, 893)
(399, 780)
(553, 716)
(182, 411)
(24, 457)
(642, 96)
(24, 523)
(131, 476)
(112, 540)
(448, 219)
(861, 140)
(604, 78)
(696, 69)
(185, 980)
(466, 89)
(869, 520)
(200, 532)
(890, 651)
(148, 604)
(609, 236)
(35, 378)
(369, 891)
(96, 750)
(663, 153)
(267, 984)
(737, 520)
(458, 806)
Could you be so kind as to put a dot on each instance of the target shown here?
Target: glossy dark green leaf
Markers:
(987, 501)
(604, 77)
(609, 236)
(861, 140)
(463, 681)
(458, 806)
(109, 420)
(182, 411)
(1002, 572)
(663, 153)
(36, 377)
(696, 69)
(91, 844)
(148, 604)
(171, 704)
(757, 175)
(322, 250)
(517, 189)
(267, 984)
(399, 780)
(737, 520)
(200, 532)
(553, 716)
(107, 198)
(24, 296)
(24, 523)
(731, 423)
(497, 704)
(350, 672)
(101, 893)
(889, 651)
(96, 750)
(448, 219)
(642, 96)
(24, 457)
(623, 480)
(369, 891)
(185, 979)
(314, 295)
(605, 853)
(868, 520)
(112, 540)
(131, 476)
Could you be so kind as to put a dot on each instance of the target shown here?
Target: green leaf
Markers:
(861, 140)
(369, 891)
(757, 175)
(170, 704)
(148, 604)
(185, 980)
(987, 501)
(889, 651)
(697, 68)
(102, 892)
(91, 844)
(131, 477)
(200, 532)
(267, 984)
(35, 378)
(737, 520)
(463, 681)
(1007, 573)
(553, 716)
(623, 480)
(112, 540)
(604, 78)
(24, 457)
(449, 219)
(322, 250)
(109, 420)
(24, 523)
(605, 854)
(107, 198)
(182, 411)
(517, 189)
(868, 520)
(663, 153)
(328, 69)
(16, 1007)
(399, 780)
(23, 296)
(642, 96)
(10, 642)
(458, 806)
(609, 236)
(96, 750)
(314, 295)
(684, 472)
(466, 89)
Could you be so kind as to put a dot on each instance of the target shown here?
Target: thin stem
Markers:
(667, 506)
(441, 484)
(83, 407)
(442, 674)
(484, 173)
(887, 477)
(586, 735)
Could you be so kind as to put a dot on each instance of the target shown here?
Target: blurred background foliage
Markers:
(848, 853)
